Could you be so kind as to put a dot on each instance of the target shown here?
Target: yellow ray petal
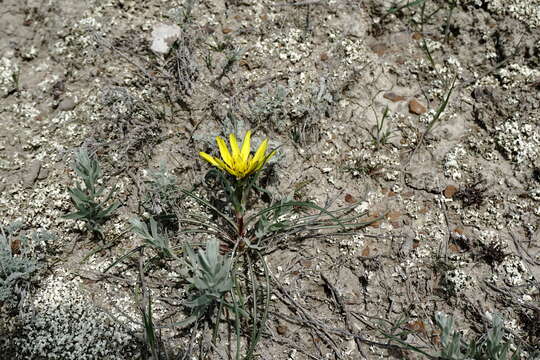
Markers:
(225, 154)
(246, 146)
(234, 146)
(265, 160)
(208, 158)
(225, 167)
(253, 166)
(259, 155)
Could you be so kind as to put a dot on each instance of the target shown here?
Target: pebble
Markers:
(416, 108)
(393, 97)
(31, 174)
(282, 329)
(43, 173)
(163, 37)
(450, 191)
(66, 104)
(379, 48)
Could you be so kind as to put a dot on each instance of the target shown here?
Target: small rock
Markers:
(450, 191)
(513, 183)
(16, 247)
(416, 35)
(66, 104)
(226, 31)
(163, 36)
(282, 329)
(31, 174)
(350, 199)
(365, 252)
(393, 97)
(416, 108)
(379, 48)
(43, 173)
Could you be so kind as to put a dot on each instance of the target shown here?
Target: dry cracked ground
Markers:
(423, 114)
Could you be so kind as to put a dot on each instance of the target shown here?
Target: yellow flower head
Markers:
(239, 162)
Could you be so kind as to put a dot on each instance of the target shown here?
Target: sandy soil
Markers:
(452, 176)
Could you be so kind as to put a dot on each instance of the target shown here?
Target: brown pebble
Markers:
(365, 252)
(416, 35)
(450, 191)
(324, 56)
(16, 247)
(393, 97)
(459, 231)
(226, 31)
(282, 329)
(379, 48)
(350, 199)
(416, 326)
(416, 108)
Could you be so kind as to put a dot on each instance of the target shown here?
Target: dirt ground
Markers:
(426, 114)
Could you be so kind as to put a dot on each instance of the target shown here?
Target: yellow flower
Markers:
(239, 162)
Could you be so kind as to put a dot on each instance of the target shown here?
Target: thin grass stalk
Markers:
(236, 319)
(207, 204)
(262, 323)
(424, 44)
(252, 278)
(290, 204)
(216, 326)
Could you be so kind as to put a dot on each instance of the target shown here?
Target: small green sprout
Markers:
(86, 196)
(491, 346)
(210, 277)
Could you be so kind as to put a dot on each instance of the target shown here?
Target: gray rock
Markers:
(163, 36)
(32, 173)
(43, 173)
(67, 104)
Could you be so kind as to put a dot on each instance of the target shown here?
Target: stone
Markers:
(43, 173)
(67, 104)
(31, 174)
(393, 97)
(163, 37)
(416, 108)
(379, 48)
(450, 191)
(282, 329)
